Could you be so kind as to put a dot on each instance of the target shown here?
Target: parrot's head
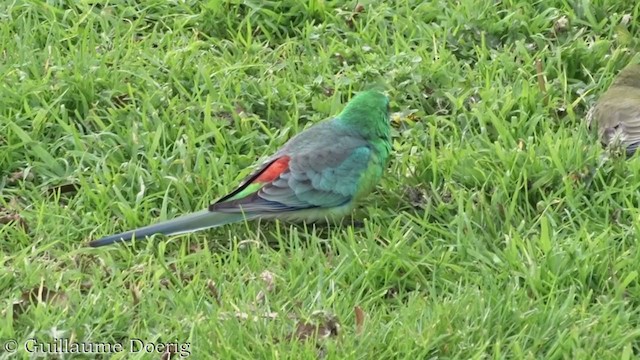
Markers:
(368, 113)
(629, 76)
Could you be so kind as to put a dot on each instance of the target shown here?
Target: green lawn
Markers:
(493, 234)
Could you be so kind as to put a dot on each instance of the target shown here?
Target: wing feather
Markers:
(305, 186)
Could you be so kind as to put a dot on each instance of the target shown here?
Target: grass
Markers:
(492, 234)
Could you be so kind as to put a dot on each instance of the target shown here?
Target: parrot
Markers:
(318, 175)
(617, 112)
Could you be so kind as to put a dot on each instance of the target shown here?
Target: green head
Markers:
(368, 113)
(629, 76)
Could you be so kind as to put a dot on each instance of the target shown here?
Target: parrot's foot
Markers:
(358, 224)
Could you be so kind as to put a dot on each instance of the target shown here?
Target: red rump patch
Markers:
(274, 170)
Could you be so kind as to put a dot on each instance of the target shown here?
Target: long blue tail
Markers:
(200, 220)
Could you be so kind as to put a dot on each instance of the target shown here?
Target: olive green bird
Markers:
(617, 112)
(318, 175)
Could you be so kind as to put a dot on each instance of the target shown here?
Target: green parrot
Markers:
(617, 112)
(319, 174)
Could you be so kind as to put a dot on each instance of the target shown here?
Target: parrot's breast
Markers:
(372, 174)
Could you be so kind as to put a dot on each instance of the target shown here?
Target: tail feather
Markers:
(181, 225)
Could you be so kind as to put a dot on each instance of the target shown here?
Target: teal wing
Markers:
(323, 178)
